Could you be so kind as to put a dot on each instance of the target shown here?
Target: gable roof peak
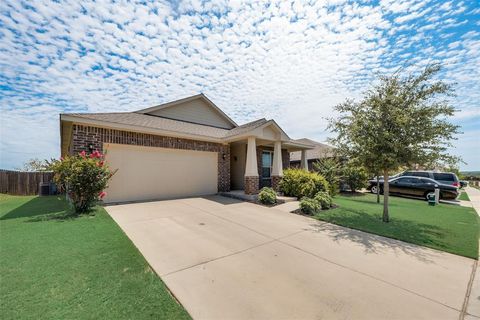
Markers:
(200, 96)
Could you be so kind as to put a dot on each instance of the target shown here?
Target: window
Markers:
(415, 180)
(421, 174)
(406, 180)
(267, 161)
(444, 176)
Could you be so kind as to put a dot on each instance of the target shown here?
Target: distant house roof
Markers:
(320, 150)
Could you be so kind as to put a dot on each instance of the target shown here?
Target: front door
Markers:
(267, 162)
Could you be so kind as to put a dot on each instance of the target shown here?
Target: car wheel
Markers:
(374, 190)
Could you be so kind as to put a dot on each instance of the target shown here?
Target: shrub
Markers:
(355, 177)
(301, 183)
(309, 206)
(83, 178)
(330, 169)
(267, 196)
(324, 199)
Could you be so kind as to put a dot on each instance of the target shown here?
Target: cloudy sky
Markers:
(292, 61)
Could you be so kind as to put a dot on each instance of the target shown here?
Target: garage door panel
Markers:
(146, 173)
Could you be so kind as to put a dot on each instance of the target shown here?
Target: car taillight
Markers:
(456, 184)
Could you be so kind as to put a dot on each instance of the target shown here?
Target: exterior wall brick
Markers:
(275, 182)
(87, 138)
(251, 185)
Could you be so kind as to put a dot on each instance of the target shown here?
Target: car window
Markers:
(415, 180)
(444, 176)
(404, 180)
(426, 181)
(420, 174)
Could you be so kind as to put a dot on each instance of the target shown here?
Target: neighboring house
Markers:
(187, 147)
(320, 150)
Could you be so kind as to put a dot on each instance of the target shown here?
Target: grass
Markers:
(55, 267)
(464, 196)
(444, 227)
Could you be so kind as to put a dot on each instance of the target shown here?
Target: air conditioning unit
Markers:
(47, 189)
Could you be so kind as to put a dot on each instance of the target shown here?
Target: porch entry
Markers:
(267, 164)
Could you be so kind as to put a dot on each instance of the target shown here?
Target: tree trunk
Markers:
(378, 188)
(386, 188)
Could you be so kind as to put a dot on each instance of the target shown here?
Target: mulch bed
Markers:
(300, 212)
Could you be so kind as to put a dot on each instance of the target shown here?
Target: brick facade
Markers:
(275, 182)
(252, 185)
(87, 138)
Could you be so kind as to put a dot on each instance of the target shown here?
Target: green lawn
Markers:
(464, 196)
(52, 267)
(444, 227)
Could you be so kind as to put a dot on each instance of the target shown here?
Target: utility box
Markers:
(44, 189)
(434, 198)
(47, 189)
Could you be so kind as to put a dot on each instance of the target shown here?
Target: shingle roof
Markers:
(320, 150)
(245, 127)
(154, 122)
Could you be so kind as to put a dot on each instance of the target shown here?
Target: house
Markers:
(187, 147)
(319, 150)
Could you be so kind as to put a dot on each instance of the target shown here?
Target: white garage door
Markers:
(147, 173)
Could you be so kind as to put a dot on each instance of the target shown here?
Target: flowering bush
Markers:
(83, 178)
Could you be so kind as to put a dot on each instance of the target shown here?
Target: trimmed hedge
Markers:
(309, 206)
(267, 196)
(324, 200)
(302, 183)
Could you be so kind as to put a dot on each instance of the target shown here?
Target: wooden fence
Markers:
(23, 183)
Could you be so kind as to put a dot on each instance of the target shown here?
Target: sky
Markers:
(291, 61)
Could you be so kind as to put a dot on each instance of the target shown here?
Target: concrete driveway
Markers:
(226, 259)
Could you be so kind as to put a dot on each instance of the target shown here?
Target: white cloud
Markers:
(293, 62)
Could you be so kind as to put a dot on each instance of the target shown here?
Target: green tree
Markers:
(400, 121)
(330, 168)
(35, 164)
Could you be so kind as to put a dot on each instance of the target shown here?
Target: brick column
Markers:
(251, 185)
(275, 182)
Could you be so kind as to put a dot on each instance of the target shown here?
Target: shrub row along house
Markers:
(187, 147)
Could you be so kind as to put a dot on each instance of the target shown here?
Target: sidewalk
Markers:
(474, 195)
(473, 307)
